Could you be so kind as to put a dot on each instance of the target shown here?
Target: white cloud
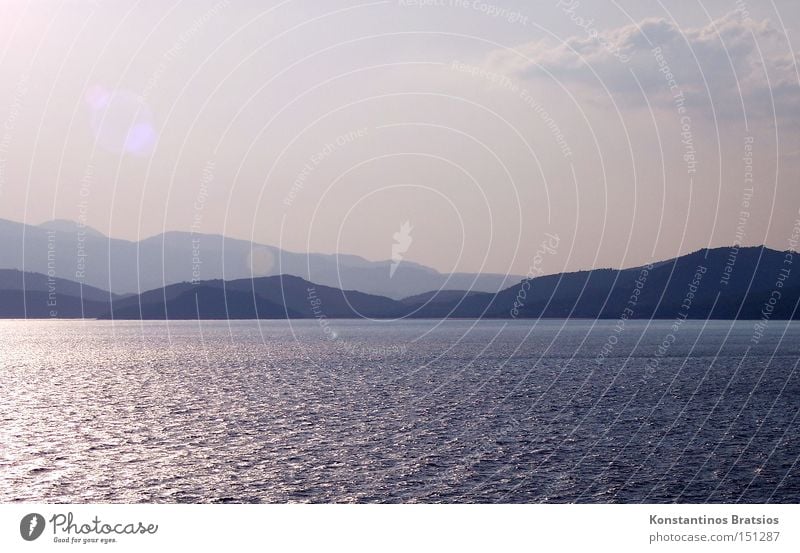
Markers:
(712, 63)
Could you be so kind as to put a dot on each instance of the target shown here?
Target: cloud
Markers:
(731, 61)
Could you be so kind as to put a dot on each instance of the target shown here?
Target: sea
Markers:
(422, 411)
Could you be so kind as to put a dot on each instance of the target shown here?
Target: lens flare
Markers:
(122, 123)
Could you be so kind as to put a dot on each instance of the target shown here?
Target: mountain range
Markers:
(68, 250)
(720, 283)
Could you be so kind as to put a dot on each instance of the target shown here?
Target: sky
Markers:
(632, 131)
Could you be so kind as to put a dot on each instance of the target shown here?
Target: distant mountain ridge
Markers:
(83, 254)
(276, 297)
(37, 296)
(721, 283)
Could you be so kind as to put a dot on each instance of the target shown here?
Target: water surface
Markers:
(410, 411)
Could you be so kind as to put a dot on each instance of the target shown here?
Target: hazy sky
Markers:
(632, 130)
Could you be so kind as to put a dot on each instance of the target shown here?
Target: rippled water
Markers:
(412, 411)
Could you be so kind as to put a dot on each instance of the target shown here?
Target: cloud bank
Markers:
(732, 62)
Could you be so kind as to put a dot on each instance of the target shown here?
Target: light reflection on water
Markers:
(273, 412)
